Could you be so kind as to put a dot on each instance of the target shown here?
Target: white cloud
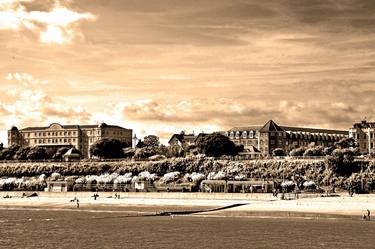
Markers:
(58, 25)
(25, 79)
(30, 105)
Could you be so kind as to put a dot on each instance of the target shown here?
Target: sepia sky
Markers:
(162, 66)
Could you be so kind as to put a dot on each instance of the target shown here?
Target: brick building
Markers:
(364, 134)
(270, 136)
(78, 136)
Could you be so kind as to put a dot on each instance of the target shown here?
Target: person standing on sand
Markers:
(77, 203)
(368, 214)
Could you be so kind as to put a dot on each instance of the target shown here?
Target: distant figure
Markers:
(96, 196)
(77, 203)
(368, 214)
(115, 195)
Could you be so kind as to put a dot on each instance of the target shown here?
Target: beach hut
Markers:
(57, 186)
(72, 154)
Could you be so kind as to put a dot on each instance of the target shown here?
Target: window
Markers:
(244, 134)
(251, 134)
(65, 140)
(272, 141)
(69, 133)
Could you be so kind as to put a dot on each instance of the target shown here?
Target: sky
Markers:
(163, 66)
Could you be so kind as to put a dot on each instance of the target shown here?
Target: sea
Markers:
(41, 228)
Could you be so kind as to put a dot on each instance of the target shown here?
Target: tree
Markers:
(346, 143)
(151, 141)
(297, 151)
(314, 151)
(278, 152)
(60, 152)
(216, 145)
(108, 148)
(140, 144)
(22, 152)
(37, 153)
(342, 162)
(8, 153)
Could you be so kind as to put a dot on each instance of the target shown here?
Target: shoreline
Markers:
(317, 207)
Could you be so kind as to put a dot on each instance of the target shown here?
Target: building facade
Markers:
(79, 136)
(364, 135)
(271, 136)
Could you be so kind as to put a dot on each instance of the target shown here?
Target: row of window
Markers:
(49, 134)
(54, 141)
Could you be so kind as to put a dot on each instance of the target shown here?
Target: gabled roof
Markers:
(270, 126)
(183, 137)
(73, 151)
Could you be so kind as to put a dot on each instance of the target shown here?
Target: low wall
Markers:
(149, 195)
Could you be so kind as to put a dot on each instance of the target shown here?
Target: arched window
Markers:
(237, 134)
(244, 134)
(232, 134)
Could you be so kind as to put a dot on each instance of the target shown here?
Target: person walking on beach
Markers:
(368, 214)
(77, 203)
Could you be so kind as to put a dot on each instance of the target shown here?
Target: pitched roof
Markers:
(183, 138)
(72, 127)
(313, 130)
(247, 128)
(72, 151)
(270, 126)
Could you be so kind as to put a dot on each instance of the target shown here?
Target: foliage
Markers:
(278, 152)
(346, 143)
(170, 177)
(297, 151)
(140, 144)
(151, 141)
(108, 148)
(314, 151)
(216, 145)
(342, 162)
(8, 153)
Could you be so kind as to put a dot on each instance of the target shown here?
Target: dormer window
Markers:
(232, 134)
(251, 134)
(244, 134)
(237, 134)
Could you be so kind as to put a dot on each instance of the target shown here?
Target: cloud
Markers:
(28, 105)
(57, 25)
(25, 79)
(225, 113)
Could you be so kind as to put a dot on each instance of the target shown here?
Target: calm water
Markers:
(78, 229)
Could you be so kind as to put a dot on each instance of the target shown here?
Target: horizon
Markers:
(165, 66)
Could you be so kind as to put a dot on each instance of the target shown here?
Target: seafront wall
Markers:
(162, 195)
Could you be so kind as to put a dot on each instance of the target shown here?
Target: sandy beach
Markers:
(342, 205)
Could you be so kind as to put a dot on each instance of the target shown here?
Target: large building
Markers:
(78, 136)
(364, 134)
(270, 136)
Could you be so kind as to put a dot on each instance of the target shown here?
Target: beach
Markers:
(155, 203)
(140, 220)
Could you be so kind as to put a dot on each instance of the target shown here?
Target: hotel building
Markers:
(270, 136)
(364, 135)
(78, 136)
